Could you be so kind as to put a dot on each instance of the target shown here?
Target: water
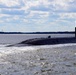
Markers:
(36, 60)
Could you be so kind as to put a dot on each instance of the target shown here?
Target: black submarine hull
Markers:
(46, 41)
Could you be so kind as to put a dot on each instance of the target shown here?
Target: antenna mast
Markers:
(75, 29)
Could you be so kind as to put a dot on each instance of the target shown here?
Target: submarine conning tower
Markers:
(75, 32)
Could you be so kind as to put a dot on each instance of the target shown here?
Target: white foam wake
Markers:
(7, 50)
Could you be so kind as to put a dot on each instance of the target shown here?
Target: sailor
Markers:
(49, 36)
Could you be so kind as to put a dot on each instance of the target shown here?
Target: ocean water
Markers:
(36, 60)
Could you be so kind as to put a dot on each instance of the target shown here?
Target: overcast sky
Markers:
(37, 15)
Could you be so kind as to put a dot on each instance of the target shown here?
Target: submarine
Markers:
(46, 41)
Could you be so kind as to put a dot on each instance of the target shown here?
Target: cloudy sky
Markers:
(37, 15)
